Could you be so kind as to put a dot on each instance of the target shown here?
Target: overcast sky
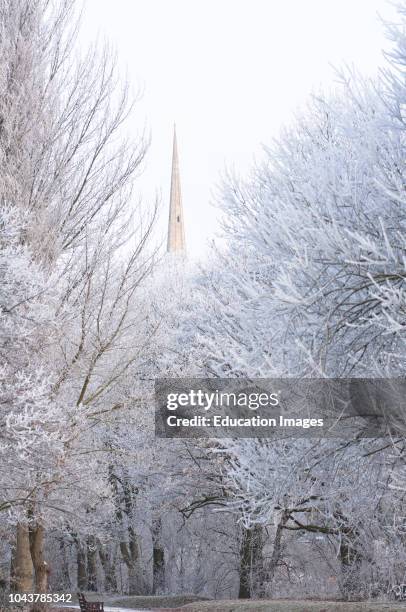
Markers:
(230, 73)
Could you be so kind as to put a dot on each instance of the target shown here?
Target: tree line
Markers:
(307, 281)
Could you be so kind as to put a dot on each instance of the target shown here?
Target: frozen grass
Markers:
(142, 602)
(191, 603)
(292, 606)
(154, 602)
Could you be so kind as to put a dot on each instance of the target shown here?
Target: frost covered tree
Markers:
(74, 254)
(316, 288)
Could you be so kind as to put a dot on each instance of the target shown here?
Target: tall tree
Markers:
(74, 254)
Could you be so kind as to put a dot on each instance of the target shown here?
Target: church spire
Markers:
(176, 231)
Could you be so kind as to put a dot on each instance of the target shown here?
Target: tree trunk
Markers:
(350, 584)
(245, 558)
(108, 565)
(41, 569)
(130, 551)
(250, 552)
(91, 564)
(133, 581)
(130, 556)
(129, 548)
(251, 563)
(66, 581)
(81, 564)
(277, 547)
(158, 558)
(21, 567)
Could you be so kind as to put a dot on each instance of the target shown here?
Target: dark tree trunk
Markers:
(350, 557)
(130, 549)
(251, 563)
(108, 562)
(130, 555)
(67, 584)
(91, 564)
(81, 564)
(277, 548)
(158, 558)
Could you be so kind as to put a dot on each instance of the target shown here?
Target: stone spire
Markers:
(176, 230)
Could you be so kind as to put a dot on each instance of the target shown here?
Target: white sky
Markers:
(230, 73)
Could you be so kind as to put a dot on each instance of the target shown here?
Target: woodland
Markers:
(92, 311)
